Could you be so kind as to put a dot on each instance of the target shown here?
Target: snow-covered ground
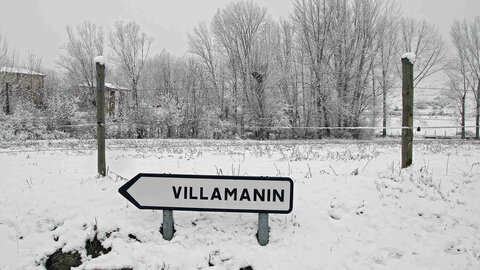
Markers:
(432, 126)
(424, 217)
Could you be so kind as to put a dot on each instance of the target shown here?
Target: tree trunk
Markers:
(7, 99)
(224, 109)
(235, 101)
(477, 116)
(384, 106)
(462, 112)
(135, 94)
(304, 109)
(325, 118)
(374, 113)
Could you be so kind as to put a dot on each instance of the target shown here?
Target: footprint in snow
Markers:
(454, 248)
(335, 214)
(336, 210)
(360, 210)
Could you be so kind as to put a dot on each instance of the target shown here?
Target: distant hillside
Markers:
(432, 97)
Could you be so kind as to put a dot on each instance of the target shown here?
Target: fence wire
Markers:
(162, 144)
(116, 124)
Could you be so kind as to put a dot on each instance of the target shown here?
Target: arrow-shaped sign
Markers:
(210, 193)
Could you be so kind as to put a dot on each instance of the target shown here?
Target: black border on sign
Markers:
(123, 191)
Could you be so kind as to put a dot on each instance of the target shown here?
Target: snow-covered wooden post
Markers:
(100, 66)
(407, 115)
(263, 233)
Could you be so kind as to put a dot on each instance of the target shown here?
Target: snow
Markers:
(100, 59)
(410, 56)
(19, 71)
(108, 85)
(423, 217)
(113, 86)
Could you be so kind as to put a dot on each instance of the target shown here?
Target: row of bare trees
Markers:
(464, 69)
(316, 69)
(324, 68)
(129, 49)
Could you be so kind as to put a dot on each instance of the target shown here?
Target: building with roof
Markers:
(115, 97)
(16, 83)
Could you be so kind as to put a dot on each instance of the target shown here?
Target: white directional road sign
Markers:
(210, 193)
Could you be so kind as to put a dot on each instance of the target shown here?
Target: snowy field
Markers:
(353, 206)
(432, 126)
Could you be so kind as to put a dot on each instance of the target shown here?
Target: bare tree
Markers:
(339, 40)
(313, 28)
(59, 102)
(388, 54)
(35, 92)
(33, 62)
(286, 68)
(458, 71)
(466, 40)
(459, 90)
(423, 39)
(227, 45)
(472, 33)
(3, 63)
(3, 50)
(269, 103)
(236, 29)
(200, 43)
(85, 41)
(367, 16)
(130, 49)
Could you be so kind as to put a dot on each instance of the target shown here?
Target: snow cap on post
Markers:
(100, 59)
(410, 56)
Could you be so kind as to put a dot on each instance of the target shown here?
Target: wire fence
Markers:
(76, 145)
(159, 91)
(159, 145)
(450, 129)
(421, 127)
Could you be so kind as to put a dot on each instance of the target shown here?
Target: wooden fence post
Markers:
(100, 66)
(407, 114)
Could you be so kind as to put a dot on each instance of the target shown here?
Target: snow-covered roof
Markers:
(19, 71)
(108, 85)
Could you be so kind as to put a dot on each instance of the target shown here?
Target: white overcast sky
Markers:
(39, 25)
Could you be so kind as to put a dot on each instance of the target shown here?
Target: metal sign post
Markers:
(214, 193)
(263, 232)
(167, 225)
